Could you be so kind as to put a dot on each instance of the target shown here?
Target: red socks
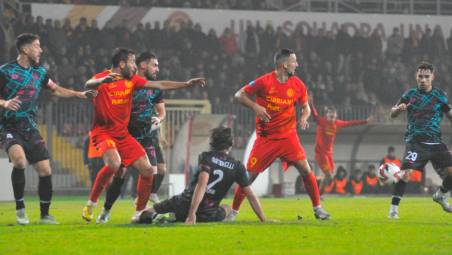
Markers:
(310, 184)
(102, 180)
(144, 187)
(239, 196)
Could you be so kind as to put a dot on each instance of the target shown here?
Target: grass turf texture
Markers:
(359, 226)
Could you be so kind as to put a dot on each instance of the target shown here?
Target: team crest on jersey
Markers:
(9, 136)
(15, 76)
(129, 84)
(290, 92)
(253, 161)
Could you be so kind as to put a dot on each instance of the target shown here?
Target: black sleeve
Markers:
(446, 108)
(159, 98)
(3, 81)
(45, 82)
(241, 176)
(203, 163)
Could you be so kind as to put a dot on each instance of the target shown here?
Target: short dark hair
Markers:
(24, 39)
(282, 54)
(221, 138)
(424, 65)
(121, 54)
(145, 56)
(391, 148)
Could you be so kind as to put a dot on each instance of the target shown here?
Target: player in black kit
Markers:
(216, 173)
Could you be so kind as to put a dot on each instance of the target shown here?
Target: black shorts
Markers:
(180, 205)
(150, 150)
(33, 144)
(158, 150)
(417, 155)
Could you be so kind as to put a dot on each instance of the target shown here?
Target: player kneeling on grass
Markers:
(217, 171)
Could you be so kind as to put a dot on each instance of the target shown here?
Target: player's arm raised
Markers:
(242, 97)
(67, 93)
(198, 194)
(168, 85)
(254, 202)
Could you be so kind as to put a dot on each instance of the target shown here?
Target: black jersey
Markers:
(223, 171)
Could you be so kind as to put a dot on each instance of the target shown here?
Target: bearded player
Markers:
(327, 128)
(110, 135)
(276, 95)
(21, 83)
(143, 127)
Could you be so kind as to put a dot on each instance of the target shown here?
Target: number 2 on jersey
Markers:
(218, 173)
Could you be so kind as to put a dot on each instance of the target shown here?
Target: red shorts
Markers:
(325, 162)
(128, 147)
(265, 151)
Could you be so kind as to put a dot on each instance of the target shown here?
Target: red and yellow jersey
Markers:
(327, 130)
(113, 104)
(279, 100)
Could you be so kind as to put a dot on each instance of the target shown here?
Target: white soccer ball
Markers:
(389, 173)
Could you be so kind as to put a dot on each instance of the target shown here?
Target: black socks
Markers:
(18, 181)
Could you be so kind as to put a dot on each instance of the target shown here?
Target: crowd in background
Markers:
(339, 68)
(204, 4)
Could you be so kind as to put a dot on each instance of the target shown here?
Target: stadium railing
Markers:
(65, 124)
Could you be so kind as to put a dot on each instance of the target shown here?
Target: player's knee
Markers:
(148, 172)
(161, 170)
(114, 165)
(20, 162)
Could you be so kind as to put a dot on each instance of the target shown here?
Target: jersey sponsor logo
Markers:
(120, 101)
(273, 107)
(290, 92)
(278, 100)
(222, 163)
(120, 93)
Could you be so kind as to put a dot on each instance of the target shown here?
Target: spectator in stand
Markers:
(395, 44)
(371, 184)
(356, 183)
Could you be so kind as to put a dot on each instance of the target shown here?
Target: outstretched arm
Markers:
(67, 93)
(198, 194)
(168, 85)
(349, 123)
(254, 202)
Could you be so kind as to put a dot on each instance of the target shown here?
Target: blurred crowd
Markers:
(339, 68)
(204, 4)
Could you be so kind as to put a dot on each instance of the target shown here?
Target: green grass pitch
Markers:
(358, 226)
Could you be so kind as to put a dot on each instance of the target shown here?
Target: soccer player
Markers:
(425, 106)
(216, 173)
(327, 128)
(112, 109)
(276, 94)
(142, 126)
(21, 82)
